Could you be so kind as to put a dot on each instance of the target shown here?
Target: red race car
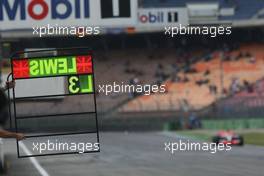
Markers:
(228, 137)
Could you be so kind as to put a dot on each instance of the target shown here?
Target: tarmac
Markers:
(139, 154)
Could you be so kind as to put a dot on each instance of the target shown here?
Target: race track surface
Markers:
(141, 154)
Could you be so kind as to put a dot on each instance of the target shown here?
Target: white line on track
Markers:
(34, 161)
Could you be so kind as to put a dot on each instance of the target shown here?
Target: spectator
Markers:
(213, 89)
(185, 79)
(248, 86)
(252, 59)
(235, 86)
(207, 72)
(127, 67)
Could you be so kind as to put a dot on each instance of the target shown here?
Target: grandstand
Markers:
(244, 64)
(120, 67)
(224, 61)
(247, 103)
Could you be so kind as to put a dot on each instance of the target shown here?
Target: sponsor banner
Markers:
(23, 14)
(159, 17)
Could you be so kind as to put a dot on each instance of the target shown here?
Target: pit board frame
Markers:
(81, 51)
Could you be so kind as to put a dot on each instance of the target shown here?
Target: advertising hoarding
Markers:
(22, 14)
(159, 17)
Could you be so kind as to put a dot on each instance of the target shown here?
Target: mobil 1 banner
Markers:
(22, 14)
(159, 17)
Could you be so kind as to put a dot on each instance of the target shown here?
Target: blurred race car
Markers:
(228, 137)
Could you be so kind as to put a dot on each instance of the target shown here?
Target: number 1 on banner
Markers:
(80, 84)
(116, 10)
